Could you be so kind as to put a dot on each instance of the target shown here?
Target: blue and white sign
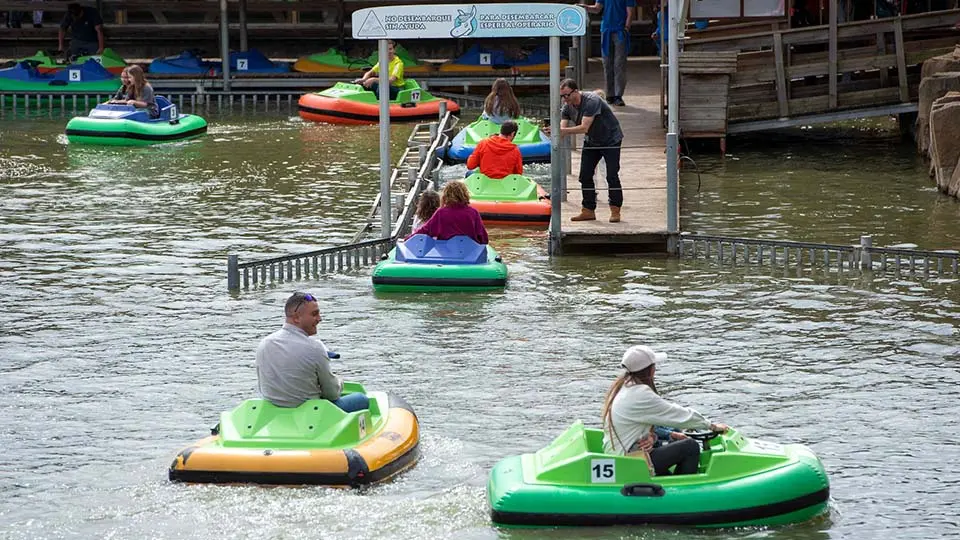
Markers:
(469, 21)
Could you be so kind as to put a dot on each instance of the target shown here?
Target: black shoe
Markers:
(610, 100)
(37, 25)
(618, 101)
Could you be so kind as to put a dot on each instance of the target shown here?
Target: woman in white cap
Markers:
(633, 407)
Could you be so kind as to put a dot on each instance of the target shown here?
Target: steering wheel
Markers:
(703, 436)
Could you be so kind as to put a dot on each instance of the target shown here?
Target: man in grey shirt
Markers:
(292, 368)
(587, 114)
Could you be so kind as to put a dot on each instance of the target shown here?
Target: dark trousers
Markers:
(589, 158)
(685, 454)
(394, 91)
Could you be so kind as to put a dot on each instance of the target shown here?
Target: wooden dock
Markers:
(643, 173)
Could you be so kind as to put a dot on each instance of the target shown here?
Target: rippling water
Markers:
(120, 344)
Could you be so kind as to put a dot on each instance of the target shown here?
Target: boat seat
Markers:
(167, 109)
(424, 249)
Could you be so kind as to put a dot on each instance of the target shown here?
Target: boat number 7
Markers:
(415, 95)
(242, 64)
(603, 471)
(74, 74)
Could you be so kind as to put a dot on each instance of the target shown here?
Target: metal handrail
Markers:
(355, 253)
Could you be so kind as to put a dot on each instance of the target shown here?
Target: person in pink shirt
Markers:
(455, 216)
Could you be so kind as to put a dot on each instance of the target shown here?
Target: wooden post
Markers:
(243, 25)
(832, 58)
(901, 60)
(882, 51)
(782, 91)
(341, 15)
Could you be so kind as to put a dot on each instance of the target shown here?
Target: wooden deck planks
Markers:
(642, 173)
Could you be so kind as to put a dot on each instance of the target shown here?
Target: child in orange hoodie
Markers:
(497, 156)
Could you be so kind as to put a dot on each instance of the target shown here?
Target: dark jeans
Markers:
(394, 91)
(685, 454)
(589, 158)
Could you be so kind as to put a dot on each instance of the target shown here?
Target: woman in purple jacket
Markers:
(455, 216)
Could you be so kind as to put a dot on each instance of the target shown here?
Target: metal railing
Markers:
(827, 257)
(358, 253)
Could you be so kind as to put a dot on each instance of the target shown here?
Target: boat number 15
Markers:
(603, 471)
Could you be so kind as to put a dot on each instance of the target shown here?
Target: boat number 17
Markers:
(415, 95)
(603, 471)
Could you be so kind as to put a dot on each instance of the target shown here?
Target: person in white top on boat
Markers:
(292, 368)
(633, 407)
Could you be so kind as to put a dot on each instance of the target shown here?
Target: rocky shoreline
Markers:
(938, 120)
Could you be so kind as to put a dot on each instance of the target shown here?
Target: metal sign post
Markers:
(673, 111)
(556, 170)
(444, 21)
(386, 206)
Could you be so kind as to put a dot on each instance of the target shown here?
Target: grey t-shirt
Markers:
(292, 368)
(148, 96)
(605, 129)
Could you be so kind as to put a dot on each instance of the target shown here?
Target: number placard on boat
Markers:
(74, 75)
(242, 64)
(440, 21)
(603, 471)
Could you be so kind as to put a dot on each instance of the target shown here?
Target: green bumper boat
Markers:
(424, 264)
(741, 482)
(124, 125)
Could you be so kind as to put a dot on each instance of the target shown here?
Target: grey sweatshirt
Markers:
(292, 368)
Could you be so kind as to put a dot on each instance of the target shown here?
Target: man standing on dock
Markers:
(614, 43)
(86, 31)
(586, 113)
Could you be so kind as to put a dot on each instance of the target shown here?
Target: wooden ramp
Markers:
(643, 174)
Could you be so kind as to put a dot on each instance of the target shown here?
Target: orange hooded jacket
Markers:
(497, 157)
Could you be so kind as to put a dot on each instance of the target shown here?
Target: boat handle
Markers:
(642, 490)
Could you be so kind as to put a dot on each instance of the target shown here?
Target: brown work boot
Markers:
(614, 214)
(585, 215)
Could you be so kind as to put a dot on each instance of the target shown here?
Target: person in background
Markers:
(501, 104)
(426, 206)
(496, 155)
(38, 16)
(586, 113)
(633, 407)
(292, 368)
(371, 79)
(614, 44)
(86, 31)
(455, 217)
(136, 91)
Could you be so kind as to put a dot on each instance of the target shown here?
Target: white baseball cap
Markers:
(640, 357)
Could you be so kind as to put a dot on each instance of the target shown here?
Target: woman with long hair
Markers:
(136, 91)
(455, 217)
(501, 105)
(633, 407)
(426, 206)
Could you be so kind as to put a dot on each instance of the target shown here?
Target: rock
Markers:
(938, 64)
(932, 88)
(945, 142)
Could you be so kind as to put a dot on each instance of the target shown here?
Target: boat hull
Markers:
(512, 201)
(350, 104)
(393, 276)
(740, 483)
(381, 454)
(119, 132)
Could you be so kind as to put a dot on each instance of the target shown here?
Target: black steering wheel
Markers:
(703, 436)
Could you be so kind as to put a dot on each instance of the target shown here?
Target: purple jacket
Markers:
(450, 221)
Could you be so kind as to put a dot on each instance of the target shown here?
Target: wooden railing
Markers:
(813, 70)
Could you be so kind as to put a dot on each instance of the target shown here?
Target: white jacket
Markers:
(636, 408)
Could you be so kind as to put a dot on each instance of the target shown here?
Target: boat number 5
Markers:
(415, 95)
(603, 471)
(74, 74)
(242, 64)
